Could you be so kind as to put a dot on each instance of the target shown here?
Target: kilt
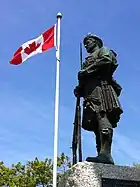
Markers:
(99, 96)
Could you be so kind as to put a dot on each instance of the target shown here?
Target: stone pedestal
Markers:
(87, 174)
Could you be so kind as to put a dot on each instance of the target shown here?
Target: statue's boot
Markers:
(104, 155)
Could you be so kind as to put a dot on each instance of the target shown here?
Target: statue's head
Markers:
(91, 42)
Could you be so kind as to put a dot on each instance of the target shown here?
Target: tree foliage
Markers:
(35, 173)
(136, 165)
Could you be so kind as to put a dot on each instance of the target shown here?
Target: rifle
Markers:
(76, 142)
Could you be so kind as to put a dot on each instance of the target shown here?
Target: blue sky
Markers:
(27, 91)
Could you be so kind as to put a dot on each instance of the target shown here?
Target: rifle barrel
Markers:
(77, 125)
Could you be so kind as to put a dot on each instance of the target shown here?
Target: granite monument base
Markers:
(87, 174)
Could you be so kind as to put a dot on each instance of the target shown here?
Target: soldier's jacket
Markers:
(98, 88)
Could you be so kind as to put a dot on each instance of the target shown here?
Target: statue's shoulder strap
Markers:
(104, 51)
(114, 60)
(107, 51)
(114, 57)
(113, 52)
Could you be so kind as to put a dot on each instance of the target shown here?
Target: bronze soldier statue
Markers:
(101, 107)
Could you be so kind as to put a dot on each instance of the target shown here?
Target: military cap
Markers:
(100, 42)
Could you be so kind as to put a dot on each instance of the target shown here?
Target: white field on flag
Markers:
(38, 45)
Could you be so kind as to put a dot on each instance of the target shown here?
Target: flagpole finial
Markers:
(59, 15)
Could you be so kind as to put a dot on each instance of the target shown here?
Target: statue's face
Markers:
(90, 44)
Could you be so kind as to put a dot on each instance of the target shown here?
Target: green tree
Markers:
(40, 172)
(34, 173)
(136, 165)
(63, 163)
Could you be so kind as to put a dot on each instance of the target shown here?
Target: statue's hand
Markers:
(77, 91)
(81, 74)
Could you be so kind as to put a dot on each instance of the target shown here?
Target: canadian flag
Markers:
(40, 44)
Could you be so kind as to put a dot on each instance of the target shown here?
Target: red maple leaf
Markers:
(32, 47)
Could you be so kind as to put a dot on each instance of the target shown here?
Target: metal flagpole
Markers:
(59, 16)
